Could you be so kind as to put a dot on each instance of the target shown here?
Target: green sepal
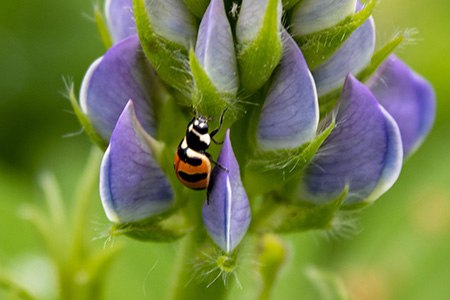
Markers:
(319, 46)
(328, 102)
(83, 119)
(206, 99)
(278, 215)
(102, 27)
(168, 58)
(211, 260)
(269, 170)
(258, 58)
(167, 227)
(380, 56)
(197, 7)
(288, 4)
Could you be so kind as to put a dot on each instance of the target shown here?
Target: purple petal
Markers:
(121, 74)
(215, 48)
(132, 185)
(408, 97)
(227, 216)
(364, 151)
(310, 16)
(120, 19)
(352, 57)
(290, 114)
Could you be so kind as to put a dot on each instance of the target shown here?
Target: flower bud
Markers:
(132, 185)
(363, 153)
(121, 74)
(408, 97)
(226, 213)
(120, 19)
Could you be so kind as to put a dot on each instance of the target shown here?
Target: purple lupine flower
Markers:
(408, 97)
(288, 143)
(363, 152)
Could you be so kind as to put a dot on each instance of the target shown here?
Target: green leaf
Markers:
(279, 216)
(268, 170)
(197, 7)
(82, 118)
(328, 102)
(168, 58)
(379, 57)
(258, 57)
(319, 46)
(328, 285)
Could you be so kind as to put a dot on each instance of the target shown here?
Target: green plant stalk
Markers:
(186, 285)
(272, 255)
(14, 289)
(74, 281)
(83, 201)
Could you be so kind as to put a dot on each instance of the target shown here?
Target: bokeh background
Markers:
(402, 246)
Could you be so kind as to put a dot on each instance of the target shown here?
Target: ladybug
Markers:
(192, 163)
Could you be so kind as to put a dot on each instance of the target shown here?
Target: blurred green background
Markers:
(402, 247)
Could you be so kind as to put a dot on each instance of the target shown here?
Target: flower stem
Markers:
(272, 255)
(83, 203)
(14, 289)
(190, 282)
(188, 285)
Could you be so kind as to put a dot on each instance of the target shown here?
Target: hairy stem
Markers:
(190, 281)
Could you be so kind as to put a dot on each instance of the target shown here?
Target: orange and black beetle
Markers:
(192, 163)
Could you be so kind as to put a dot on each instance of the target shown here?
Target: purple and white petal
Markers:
(215, 48)
(120, 19)
(290, 114)
(132, 184)
(408, 98)
(363, 152)
(227, 216)
(172, 20)
(310, 16)
(352, 57)
(251, 18)
(121, 74)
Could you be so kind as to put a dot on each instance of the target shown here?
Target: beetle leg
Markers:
(214, 132)
(215, 162)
